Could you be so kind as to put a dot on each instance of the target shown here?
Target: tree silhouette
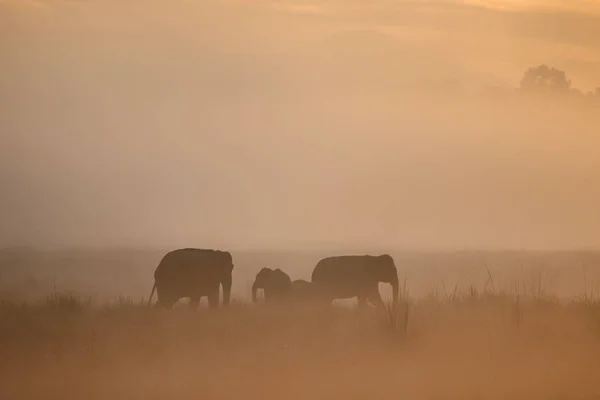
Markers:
(545, 80)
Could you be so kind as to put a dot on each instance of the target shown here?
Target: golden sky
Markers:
(492, 37)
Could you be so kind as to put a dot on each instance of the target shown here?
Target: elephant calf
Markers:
(276, 285)
(193, 273)
(345, 277)
(302, 290)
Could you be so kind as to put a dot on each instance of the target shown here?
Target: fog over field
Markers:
(280, 124)
(460, 137)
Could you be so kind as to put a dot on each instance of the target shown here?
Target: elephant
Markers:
(193, 273)
(302, 290)
(344, 277)
(276, 285)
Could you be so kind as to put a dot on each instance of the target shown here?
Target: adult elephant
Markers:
(345, 277)
(193, 273)
(276, 285)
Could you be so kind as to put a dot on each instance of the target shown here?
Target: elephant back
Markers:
(189, 261)
(334, 269)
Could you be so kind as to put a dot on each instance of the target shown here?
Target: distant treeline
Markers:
(549, 81)
(541, 82)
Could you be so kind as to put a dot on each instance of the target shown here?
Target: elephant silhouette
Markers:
(275, 284)
(302, 291)
(345, 277)
(193, 273)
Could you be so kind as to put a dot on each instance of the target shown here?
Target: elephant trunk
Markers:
(255, 288)
(152, 292)
(394, 283)
(226, 283)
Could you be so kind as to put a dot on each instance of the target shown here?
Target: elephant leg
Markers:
(323, 300)
(213, 298)
(362, 301)
(194, 302)
(328, 301)
(322, 296)
(166, 302)
(375, 298)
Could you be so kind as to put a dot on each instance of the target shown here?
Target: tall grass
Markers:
(67, 301)
(465, 343)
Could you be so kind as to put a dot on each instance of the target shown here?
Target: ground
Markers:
(469, 345)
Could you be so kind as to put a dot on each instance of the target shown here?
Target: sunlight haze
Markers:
(279, 123)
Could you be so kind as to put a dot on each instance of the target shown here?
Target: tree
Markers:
(545, 80)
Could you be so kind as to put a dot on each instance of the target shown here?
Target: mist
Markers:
(404, 196)
(280, 124)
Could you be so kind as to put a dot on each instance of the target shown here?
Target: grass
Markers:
(471, 343)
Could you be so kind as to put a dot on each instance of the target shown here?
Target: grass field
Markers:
(468, 344)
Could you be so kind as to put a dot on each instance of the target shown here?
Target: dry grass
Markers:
(469, 345)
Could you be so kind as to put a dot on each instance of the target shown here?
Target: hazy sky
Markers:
(273, 123)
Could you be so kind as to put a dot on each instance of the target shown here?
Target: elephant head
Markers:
(384, 270)
(260, 281)
(275, 283)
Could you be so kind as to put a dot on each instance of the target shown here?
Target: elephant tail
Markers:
(152, 292)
